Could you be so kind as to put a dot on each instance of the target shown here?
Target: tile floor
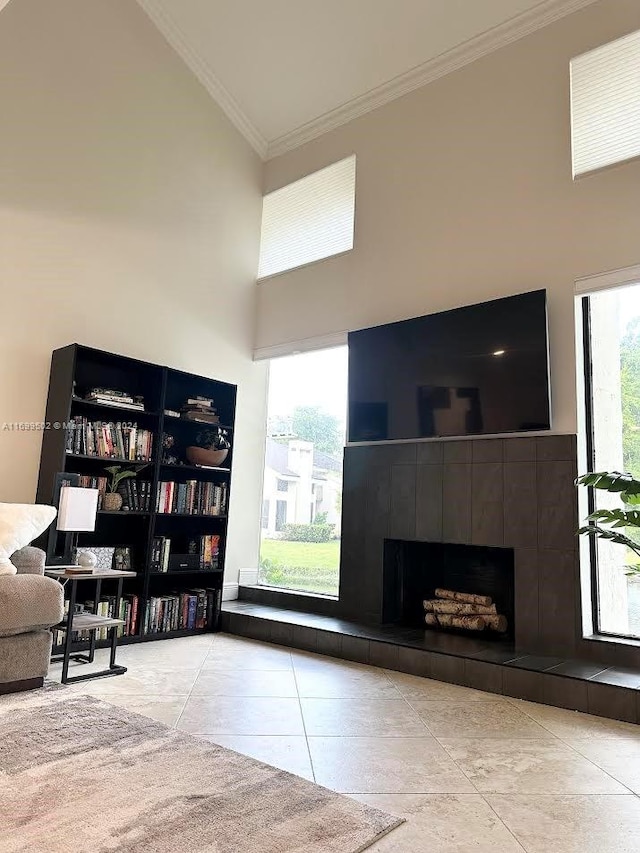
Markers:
(470, 771)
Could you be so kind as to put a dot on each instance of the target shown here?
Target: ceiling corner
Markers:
(179, 42)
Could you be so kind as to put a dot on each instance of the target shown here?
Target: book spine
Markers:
(193, 607)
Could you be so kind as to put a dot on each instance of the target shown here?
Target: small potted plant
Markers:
(211, 448)
(112, 501)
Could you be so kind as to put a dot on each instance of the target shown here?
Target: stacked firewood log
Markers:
(451, 609)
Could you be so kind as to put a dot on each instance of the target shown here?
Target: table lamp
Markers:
(76, 513)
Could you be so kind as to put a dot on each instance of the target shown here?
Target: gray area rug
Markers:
(78, 775)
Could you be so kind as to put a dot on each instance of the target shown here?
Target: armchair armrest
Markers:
(29, 602)
(29, 560)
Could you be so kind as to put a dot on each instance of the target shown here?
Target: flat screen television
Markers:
(478, 370)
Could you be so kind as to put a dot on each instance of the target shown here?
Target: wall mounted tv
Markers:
(482, 369)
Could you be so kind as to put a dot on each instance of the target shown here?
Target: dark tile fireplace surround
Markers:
(513, 494)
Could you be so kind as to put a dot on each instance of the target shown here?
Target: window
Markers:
(605, 105)
(282, 486)
(611, 324)
(265, 515)
(281, 514)
(309, 220)
(309, 391)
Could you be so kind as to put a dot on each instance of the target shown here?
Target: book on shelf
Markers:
(129, 606)
(108, 440)
(160, 550)
(136, 494)
(111, 397)
(99, 483)
(199, 409)
(206, 547)
(191, 610)
(192, 497)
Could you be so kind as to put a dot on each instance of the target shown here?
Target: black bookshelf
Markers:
(75, 369)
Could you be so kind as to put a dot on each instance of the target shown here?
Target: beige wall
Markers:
(129, 221)
(464, 193)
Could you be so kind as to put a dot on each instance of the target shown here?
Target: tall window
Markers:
(300, 547)
(611, 322)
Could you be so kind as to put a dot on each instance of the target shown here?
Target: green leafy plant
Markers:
(211, 439)
(616, 520)
(116, 475)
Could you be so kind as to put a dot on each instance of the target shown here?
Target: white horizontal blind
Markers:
(605, 105)
(308, 220)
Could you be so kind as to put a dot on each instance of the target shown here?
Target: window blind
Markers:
(308, 220)
(605, 105)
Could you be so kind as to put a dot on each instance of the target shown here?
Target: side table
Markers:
(88, 621)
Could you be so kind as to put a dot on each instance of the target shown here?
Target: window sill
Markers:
(285, 591)
(290, 599)
(610, 640)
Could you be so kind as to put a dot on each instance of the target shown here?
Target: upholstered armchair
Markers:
(30, 604)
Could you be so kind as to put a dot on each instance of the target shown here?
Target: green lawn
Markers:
(308, 566)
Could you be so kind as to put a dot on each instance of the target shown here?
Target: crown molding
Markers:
(180, 43)
(516, 28)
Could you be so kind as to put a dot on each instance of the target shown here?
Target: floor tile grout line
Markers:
(175, 726)
(505, 824)
(304, 724)
(601, 769)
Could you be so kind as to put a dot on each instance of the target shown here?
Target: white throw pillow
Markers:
(20, 524)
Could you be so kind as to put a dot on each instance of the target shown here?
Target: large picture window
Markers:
(611, 328)
(300, 545)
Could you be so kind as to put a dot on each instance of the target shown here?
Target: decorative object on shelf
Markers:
(111, 397)
(19, 525)
(168, 443)
(76, 514)
(627, 518)
(122, 559)
(211, 449)
(86, 559)
(199, 409)
(104, 557)
(112, 501)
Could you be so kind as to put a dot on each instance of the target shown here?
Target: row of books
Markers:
(205, 551)
(136, 494)
(109, 440)
(186, 611)
(192, 498)
(129, 605)
(99, 483)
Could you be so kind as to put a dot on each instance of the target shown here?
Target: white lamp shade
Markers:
(77, 510)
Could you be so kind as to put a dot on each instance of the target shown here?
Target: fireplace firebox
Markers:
(414, 570)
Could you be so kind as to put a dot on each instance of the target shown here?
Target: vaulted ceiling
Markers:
(286, 71)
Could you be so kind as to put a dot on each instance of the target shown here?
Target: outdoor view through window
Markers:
(302, 493)
(614, 325)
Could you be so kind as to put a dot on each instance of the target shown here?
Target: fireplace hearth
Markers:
(416, 571)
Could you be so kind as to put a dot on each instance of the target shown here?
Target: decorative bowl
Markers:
(205, 456)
